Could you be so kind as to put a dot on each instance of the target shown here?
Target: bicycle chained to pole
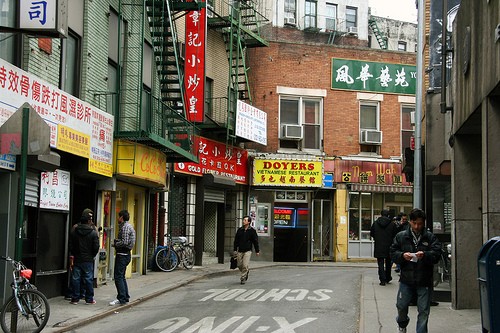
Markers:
(27, 310)
(177, 251)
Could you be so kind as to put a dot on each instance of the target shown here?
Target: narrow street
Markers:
(280, 299)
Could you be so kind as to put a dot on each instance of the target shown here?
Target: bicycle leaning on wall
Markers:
(177, 251)
(27, 310)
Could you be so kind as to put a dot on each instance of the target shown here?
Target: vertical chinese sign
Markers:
(194, 68)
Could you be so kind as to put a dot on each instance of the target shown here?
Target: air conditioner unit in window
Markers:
(371, 137)
(290, 21)
(291, 132)
(352, 30)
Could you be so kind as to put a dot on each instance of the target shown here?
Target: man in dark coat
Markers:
(246, 236)
(383, 231)
(416, 250)
(84, 247)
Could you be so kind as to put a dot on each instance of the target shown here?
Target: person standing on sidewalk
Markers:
(84, 246)
(246, 236)
(416, 250)
(123, 246)
(383, 231)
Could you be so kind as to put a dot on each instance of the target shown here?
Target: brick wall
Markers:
(299, 65)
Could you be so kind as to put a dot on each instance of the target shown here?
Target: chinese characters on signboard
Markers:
(75, 126)
(194, 67)
(54, 190)
(373, 76)
(288, 173)
(251, 123)
(38, 14)
(364, 172)
(215, 158)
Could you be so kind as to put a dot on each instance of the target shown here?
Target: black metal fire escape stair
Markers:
(382, 41)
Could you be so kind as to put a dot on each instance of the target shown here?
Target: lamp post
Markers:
(417, 164)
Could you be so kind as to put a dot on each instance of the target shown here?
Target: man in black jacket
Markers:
(84, 247)
(383, 231)
(246, 236)
(416, 250)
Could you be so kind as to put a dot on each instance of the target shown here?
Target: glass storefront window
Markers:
(262, 219)
(441, 207)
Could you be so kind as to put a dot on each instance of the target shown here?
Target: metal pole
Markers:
(22, 184)
(417, 164)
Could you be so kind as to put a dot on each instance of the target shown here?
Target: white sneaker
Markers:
(115, 302)
(402, 330)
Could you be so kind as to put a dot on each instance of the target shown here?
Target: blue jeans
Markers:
(83, 272)
(405, 295)
(121, 262)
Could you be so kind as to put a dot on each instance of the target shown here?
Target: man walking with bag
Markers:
(246, 236)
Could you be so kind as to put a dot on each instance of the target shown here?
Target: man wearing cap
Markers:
(84, 246)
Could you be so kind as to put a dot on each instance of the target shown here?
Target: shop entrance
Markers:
(322, 227)
(291, 233)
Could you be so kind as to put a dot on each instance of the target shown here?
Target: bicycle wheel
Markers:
(188, 257)
(37, 310)
(438, 272)
(167, 259)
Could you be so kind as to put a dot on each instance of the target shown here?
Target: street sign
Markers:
(38, 134)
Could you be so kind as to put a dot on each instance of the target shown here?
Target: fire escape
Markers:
(239, 22)
(154, 117)
(382, 41)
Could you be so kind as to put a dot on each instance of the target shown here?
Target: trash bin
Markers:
(488, 265)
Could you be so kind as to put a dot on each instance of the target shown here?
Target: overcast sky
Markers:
(403, 10)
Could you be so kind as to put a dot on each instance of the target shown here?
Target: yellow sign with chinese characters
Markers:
(296, 173)
(73, 141)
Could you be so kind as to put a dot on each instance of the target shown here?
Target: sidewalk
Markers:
(377, 308)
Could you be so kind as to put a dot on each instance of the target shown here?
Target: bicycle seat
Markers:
(179, 240)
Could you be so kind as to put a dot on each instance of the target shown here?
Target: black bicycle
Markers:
(27, 310)
(442, 270)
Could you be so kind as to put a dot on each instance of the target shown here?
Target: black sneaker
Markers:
(246, 276)
(382, 283)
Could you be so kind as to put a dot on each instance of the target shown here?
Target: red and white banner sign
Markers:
(194, 67)
(216, 159)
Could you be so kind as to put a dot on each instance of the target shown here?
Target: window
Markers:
(363, 209)
(8, 39)
(147, 82)
(351, 17)
(369, 116)
(401, 46)
(209, 95)
(262, 219)
(407, 129)
(290, 9)
(300, 123)
(310, 14)
(331, 17)
(70, 64)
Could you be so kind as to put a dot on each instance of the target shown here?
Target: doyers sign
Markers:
(297, 173)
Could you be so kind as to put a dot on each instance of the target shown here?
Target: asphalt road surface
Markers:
(278, 299)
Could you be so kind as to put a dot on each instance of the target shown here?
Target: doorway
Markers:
(321, 230)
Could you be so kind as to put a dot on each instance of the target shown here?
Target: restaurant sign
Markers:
(296, 173)
(364, 172)
(217, 159)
